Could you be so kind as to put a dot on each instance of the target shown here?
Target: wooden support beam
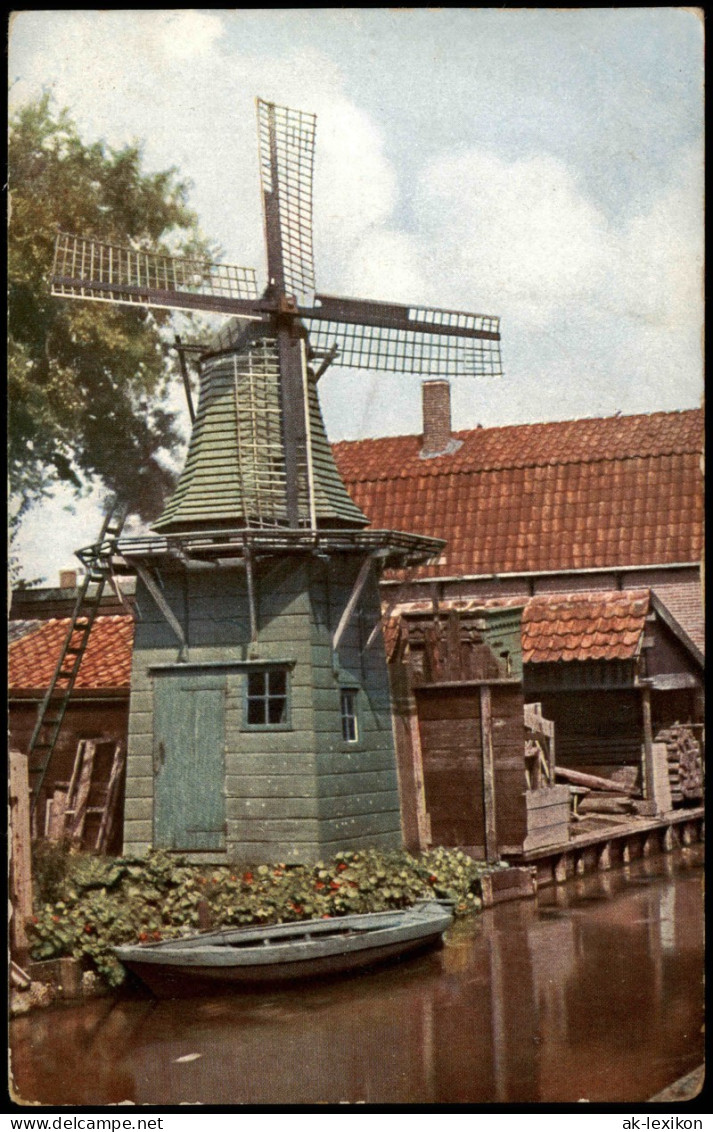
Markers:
(486, 736)
(559, 870)
(82, 776)
(647, 771)
(186, 380)
(423, 824)
(353, 599)
(593, 781)
(308, 439)
(373, 635)
(20, 859)
(154, 590)
(250, 579)
(453, 660)
(108, 818)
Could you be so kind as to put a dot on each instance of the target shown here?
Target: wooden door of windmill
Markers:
(189, 763)
(451, 749)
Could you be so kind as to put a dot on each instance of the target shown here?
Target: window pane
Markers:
(277, 709)
(349, 717)
(277, 682)
(256, 683)
(256, 712)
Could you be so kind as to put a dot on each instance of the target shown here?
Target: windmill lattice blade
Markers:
(438, 351)
(286, 170)
(85, 268)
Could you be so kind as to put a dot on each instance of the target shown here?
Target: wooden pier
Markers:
(597, 847)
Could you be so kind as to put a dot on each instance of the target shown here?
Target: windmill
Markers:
(269, 734)
(305, 325)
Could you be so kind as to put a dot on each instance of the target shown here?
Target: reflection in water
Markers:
(592, 991)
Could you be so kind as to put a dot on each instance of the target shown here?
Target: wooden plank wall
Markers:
(298, 793)
(451, 742)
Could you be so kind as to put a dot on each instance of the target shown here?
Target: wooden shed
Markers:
(97, 710)
(614, 670)
(461, 739)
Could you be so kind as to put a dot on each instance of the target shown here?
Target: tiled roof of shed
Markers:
(105, 665)
(597, 625)
(585, 626)
(565, 495)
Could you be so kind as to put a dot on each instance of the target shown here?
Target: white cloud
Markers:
(186, 32)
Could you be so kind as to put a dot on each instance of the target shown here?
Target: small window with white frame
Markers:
(350, 723)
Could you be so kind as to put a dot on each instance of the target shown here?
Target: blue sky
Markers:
(542, 165)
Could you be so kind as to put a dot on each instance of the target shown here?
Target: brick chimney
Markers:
(437, 439)
(68, 579)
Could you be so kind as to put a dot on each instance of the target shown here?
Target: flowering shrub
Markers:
(102, 902)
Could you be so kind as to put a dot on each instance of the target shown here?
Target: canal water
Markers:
(592, 992)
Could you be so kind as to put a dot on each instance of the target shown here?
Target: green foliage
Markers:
(87, 381)
(50, 865)
(104, 902)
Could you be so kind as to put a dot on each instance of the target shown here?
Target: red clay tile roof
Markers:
(567, 495)
(106, 663)
(584, 626)
(596, 625)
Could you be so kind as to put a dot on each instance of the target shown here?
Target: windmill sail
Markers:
(401, 339)
(85, 268)
(286, 169)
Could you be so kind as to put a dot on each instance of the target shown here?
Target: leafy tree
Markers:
(87, 381)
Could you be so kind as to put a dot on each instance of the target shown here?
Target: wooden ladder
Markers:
(56, 700)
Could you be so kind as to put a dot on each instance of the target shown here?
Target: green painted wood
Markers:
(189, 810)
(360, 825)
(236, 447)
(289, 806)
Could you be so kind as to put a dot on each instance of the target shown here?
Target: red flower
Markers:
(432, 879)
(88, 928)
(247, 878)
(326, 916)
(353, 884)
(143, 936)
(341, 867)
(278, 873)
(296, 907)
(156, 935)
(335, 885)
(55, 919)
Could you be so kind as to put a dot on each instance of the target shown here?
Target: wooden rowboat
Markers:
(277, 953)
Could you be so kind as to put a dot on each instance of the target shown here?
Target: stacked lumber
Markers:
(606, 803)
(685, 765)
(600, 795)
(86, 811)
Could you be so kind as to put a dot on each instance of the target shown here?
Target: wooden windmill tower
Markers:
(260, 720)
